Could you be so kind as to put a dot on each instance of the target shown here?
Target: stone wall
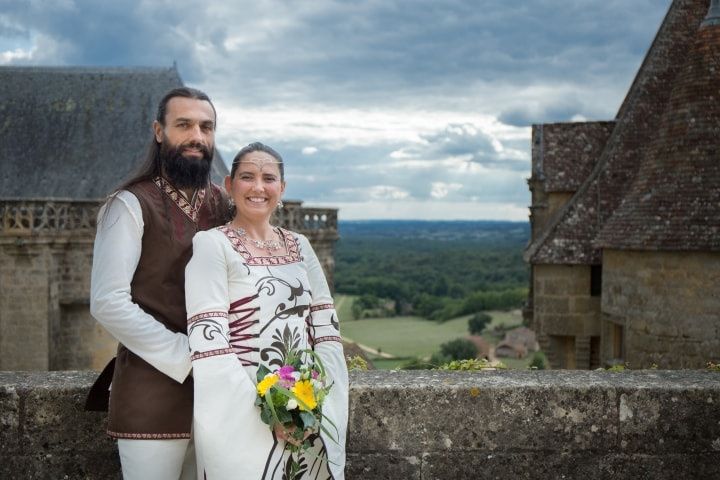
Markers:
(45, 322)
(430, 425)
(45, 263)
(667, 304)
(566, 315)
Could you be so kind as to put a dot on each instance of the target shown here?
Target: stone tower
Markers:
(611, 252)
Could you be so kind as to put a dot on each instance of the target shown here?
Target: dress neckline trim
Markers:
(292, 254)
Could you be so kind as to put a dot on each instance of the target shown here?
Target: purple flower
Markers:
(285, 372)
(286, 375)
(315, 374)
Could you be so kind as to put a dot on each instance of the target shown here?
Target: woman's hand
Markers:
(287, 434)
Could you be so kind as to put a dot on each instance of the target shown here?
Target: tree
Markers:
(459, 349)
(478, 322)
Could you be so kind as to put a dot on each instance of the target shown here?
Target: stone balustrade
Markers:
(77, 217)
(431, 425)
(307, 220)
(49, 217)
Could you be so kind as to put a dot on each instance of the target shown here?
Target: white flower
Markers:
(291, 405)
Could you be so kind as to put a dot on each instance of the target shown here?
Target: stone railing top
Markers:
(64, 217)
(294, 216)
(565, 379)
(443, 380)
(48, 216)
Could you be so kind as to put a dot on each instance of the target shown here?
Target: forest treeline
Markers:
(436, 270)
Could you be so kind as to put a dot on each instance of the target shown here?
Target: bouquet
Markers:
(292, 396)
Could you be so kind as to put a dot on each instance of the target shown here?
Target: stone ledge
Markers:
(430, 425)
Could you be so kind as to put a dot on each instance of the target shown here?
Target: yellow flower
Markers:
(266, 383)
(304, 391)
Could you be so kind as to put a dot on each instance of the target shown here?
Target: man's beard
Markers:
(186, 172)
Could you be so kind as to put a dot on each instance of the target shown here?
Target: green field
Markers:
(406, 337)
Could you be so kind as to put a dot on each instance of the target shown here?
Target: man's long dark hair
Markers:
(151, 167)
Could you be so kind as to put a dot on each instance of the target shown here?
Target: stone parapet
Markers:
(53, 217)
(430, 425)
(56, 217)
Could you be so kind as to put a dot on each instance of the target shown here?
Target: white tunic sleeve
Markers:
(325, 331)
(224, 393)
(118, 244)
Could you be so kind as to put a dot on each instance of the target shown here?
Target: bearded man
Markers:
(143, 242)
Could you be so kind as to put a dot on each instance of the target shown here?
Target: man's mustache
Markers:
(198, 146)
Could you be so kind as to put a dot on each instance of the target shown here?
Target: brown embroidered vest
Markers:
(145, 403)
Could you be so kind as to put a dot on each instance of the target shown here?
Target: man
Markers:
(144, 241)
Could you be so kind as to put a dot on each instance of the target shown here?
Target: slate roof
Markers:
(567, 152)
(569, 235)
(76, 132)
(674, 203)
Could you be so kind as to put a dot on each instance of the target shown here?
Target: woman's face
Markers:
(256, 187)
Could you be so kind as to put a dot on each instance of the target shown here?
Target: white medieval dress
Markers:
(245, 311)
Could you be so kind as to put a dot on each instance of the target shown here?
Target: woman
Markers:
(253, 292)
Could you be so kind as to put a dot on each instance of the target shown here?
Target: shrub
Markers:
(539, 361)
(459, 349)
(478, 322)
(416, 364)
(356, 363)
(472, 364)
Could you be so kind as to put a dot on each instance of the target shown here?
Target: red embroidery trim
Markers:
(211, 353)
(190, 210)
(147, 436)
(293, 250)
(328, 339)
(201, 316)
(322, 306)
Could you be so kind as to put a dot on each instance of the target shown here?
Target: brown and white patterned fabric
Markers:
(244, 311)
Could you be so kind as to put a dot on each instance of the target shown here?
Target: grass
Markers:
(406, 337)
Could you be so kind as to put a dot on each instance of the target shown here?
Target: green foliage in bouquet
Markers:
(292, 396)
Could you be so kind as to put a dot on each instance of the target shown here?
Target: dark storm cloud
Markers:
(562, 110)
(459, 140)
(122, 32)
(355, 53)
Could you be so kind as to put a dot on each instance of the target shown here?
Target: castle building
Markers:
(68, 137)
(625, 215)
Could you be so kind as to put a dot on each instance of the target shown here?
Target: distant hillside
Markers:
(483, 231)
(434, 269)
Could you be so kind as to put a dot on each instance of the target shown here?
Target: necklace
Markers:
(269, 245)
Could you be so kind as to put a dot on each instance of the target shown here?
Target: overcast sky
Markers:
(385, 108)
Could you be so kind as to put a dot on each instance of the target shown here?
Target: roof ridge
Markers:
(86, 68)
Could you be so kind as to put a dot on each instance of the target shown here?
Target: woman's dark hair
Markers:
(151, 166)
(257, 147)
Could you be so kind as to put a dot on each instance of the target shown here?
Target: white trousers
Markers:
(157, 459)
